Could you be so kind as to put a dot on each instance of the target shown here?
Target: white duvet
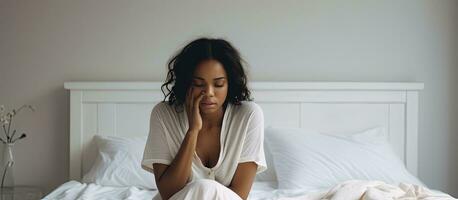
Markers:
(74, 190)
(348, 190)
(373, 190)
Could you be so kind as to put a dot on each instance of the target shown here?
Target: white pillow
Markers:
(269, 174)
(305, 159)
(118, 163)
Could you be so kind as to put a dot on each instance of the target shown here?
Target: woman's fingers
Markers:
(192, 109)
(198, 99)
(189, 98)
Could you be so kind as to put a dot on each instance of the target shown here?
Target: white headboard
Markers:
(123, 109)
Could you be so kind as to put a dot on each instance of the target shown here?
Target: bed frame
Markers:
(123, 109)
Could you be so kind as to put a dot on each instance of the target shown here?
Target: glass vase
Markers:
(7, 163)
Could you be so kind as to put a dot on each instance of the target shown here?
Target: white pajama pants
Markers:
(204, 189)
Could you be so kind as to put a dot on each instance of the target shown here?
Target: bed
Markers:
(334, 109)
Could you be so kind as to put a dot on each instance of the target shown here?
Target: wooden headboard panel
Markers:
(123, 109)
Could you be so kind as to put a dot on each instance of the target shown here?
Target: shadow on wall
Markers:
(453, 118)
(55, 109)
(453, 110)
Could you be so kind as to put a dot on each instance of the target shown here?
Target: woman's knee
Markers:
(205, 183)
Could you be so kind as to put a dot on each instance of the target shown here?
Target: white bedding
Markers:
(364, 190)
(74, 190)
(373, 190)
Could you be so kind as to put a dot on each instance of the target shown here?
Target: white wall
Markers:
(44, 43)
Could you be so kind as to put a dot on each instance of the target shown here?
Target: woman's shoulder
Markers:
(162, 108)
(159, 106)
(248, 107)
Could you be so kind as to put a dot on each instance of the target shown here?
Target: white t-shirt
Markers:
(241, 140)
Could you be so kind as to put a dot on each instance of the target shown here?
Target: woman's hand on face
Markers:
(192, 109)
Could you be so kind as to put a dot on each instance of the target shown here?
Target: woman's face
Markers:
(210, 77)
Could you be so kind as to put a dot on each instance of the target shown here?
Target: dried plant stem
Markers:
(4, 173)
(9, 126)
(23, 107)
(12, 136)
(4, 130)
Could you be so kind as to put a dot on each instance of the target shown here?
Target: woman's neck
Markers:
(213, 120)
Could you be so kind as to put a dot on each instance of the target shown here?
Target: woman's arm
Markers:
(243, 179)
(252, 155)
(172, 178)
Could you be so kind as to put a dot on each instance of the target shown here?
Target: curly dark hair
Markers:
(181, 68)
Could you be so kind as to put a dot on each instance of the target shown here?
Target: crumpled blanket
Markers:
(373, 190)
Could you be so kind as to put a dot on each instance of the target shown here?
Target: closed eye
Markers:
(201, 85)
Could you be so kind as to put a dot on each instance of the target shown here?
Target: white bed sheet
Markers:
(74, 190)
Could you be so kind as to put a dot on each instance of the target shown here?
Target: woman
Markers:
(206, 142)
